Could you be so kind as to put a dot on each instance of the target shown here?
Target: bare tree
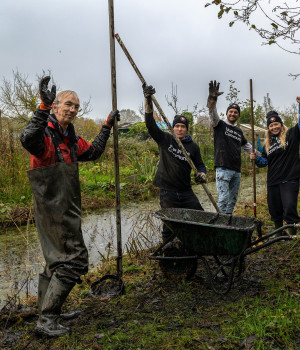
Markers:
(174, 100)
(173, 103)
(128, 115)
(19, 98)
(281, 28)
(267, 105)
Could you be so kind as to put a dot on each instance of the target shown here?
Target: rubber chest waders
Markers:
(57, 211)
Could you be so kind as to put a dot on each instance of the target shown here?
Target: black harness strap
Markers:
(58, 153)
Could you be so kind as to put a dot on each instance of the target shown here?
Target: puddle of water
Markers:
(22, 259)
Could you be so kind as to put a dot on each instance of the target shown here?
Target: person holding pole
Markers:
(228, 143)
(281, 155)
(55, 151)
(173, 176)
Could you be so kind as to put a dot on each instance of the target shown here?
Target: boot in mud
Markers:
(55, 296)
(277, 225)
(292, 231)
(42, 289)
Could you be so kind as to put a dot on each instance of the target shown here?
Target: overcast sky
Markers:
(176, 41)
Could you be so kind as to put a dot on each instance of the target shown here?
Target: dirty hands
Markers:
(47, 96)
(148, 91)
(200, 178)
(213, 94)
(110, 121)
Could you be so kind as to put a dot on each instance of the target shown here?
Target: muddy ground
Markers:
(158, 313)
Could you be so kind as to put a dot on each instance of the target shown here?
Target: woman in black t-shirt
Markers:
(281, 154)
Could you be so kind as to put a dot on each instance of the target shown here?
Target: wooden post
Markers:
(253, 149)
(115, 134)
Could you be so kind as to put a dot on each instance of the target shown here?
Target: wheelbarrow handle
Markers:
(254, 247)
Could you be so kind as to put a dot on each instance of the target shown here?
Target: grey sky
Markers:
(175, 41)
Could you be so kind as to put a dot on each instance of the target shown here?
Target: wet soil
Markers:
(158, 313)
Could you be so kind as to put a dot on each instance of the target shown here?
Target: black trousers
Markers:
(170, 199)
(282, 201)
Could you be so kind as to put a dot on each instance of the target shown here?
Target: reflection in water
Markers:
(21, 260)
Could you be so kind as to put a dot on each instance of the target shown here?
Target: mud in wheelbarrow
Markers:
(220, 241)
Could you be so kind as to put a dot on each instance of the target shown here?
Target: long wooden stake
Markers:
(167, 122)
(253, 149)
(115, 130)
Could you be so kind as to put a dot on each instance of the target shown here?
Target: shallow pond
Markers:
(21, 260)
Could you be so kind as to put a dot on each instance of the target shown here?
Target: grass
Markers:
(260, 312)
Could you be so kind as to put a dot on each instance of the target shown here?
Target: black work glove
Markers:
(200, 178)
(47, 96)
(213, 94)
(148, 91)
(110, 121)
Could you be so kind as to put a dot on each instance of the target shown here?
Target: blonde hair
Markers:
(282, 138)
(64, 93)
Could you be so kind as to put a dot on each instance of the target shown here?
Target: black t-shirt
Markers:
(284, 163)
(228, 141)
(174, 171)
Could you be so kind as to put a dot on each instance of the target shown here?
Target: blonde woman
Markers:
(281, 155)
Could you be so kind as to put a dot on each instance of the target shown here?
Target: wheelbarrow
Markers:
(216, 239)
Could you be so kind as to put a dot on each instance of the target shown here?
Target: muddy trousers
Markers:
(170, 199)
(282, 202)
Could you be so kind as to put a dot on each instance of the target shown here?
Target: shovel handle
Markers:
(192, 165)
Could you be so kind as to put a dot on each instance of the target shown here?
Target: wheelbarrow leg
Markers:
(211, 277)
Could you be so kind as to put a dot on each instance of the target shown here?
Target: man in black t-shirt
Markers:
(173, 176)
(228, 142)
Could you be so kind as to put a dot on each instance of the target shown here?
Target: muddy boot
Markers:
(292, 231)
(42, 289)
(54, 298)
(277, 225)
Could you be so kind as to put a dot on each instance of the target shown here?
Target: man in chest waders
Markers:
(55, 152)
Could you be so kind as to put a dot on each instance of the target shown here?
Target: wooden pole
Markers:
(253, 149)
(139, 74)
(115, 133)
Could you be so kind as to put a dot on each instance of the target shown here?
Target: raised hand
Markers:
(47, 96)
(214, 93)
(148, 90)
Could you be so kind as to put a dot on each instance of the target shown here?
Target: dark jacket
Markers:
(43, 134)
(283, 163)
(174, 171)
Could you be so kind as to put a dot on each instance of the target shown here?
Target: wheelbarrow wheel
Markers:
(181, 268)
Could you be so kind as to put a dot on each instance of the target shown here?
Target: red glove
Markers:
(110, 121)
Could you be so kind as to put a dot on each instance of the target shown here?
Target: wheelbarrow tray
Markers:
(207, 233)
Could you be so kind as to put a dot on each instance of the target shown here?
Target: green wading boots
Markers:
(292, 231)
(42, 289)
(54, 298)
(277, 225)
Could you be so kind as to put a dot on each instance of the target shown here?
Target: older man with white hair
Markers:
(55, 151)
